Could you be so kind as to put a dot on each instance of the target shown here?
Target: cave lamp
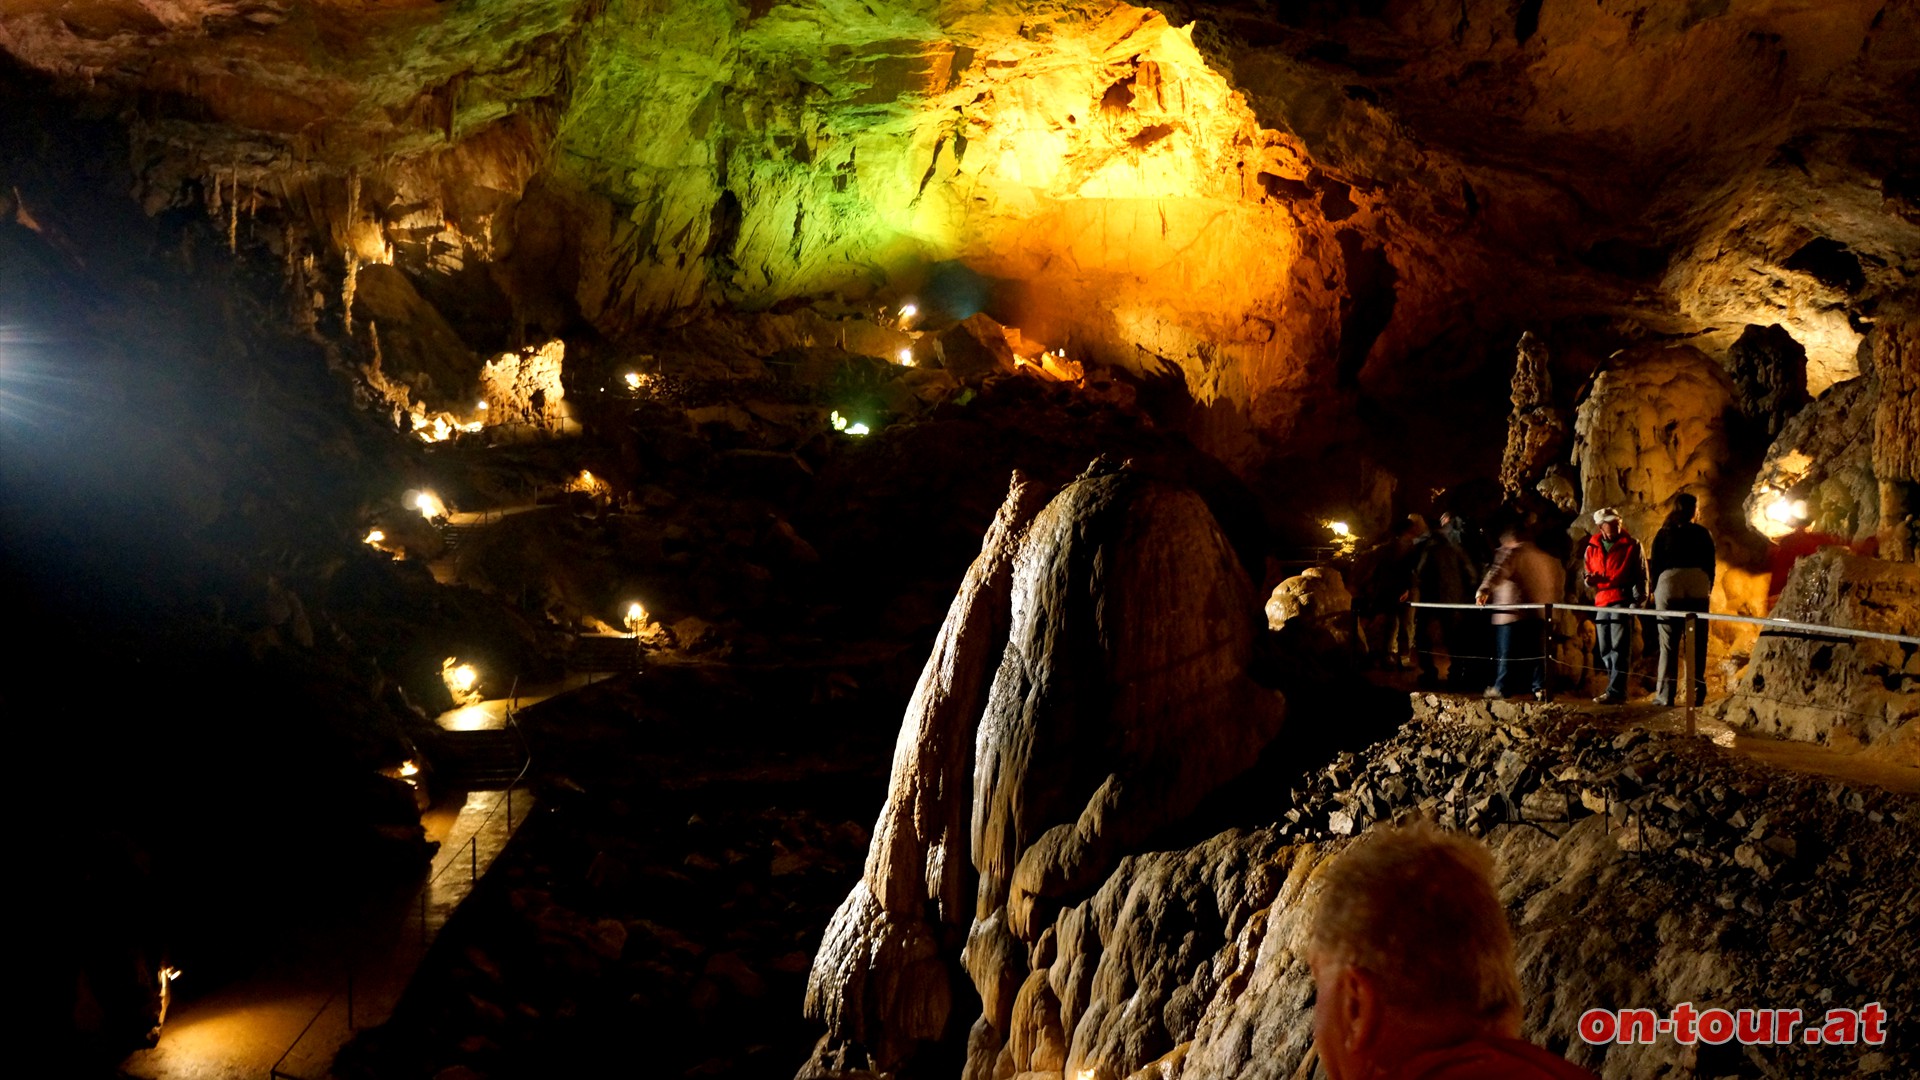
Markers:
(429, 505)
(633, 380)
(636, 617)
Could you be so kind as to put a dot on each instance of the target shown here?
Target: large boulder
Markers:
(1316, 594)
(1847, 693)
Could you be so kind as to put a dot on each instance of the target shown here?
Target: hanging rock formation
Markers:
(1096, 666)
(1536, 431)
(1769, 373)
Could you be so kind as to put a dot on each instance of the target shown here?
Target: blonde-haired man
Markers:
(1413, 966)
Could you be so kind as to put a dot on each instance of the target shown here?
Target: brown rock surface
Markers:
(1847, 693)
(1536, 430)
(1824, 455)
(882, 977)
(1654, 424)
(1121, 699)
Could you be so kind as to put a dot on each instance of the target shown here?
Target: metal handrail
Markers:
(426, 888)
(1754, 620)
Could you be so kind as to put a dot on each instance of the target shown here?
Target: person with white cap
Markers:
(1618, 580)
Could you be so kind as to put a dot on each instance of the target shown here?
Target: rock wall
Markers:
(1847, 693)
(1096, 667)
(1278, 211)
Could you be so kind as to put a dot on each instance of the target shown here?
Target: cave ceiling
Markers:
(1277, 202)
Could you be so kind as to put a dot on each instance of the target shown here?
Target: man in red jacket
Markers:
(1619, 580)
(1413, 966)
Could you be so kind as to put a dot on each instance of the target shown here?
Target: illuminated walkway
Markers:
(242, 1030)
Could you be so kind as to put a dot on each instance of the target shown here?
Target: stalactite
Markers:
(353, 258)
(233, 213)
(347, 288)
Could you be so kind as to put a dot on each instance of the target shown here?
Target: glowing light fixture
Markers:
(839, 422)
(906, 357)
(633, 380)
(482, 405)
(858, 429)
(908, 310)
(636, 617)
(1339, 528)
(408, 768)
(1787, 511)
(463, 681)
(429, 505)
(168, 974)
(374, 536)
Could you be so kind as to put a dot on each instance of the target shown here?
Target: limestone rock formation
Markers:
(1654, 424)
(1633, 868)
(1896, 431)
(1536, 431)
(882, 980)
(1823, 457)
(1096, 666)
(1316, 594)
(1769, 374)
(1847, 693)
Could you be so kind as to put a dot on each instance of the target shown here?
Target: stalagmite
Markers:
(1896, 431)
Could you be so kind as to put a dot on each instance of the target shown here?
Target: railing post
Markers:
(1546, 650)
(1686, 666)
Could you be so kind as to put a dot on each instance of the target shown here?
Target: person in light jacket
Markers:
(1521, 574)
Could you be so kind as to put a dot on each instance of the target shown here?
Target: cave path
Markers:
(244, 1028)
(1855, 768)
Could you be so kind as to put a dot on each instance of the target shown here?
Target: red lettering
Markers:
(1638, 1026)
(1784, 1021)
(1716, 1026)
(1756, 1025)
(1842, 1026)
(1872, 1019)
(1683, 1018)
(1598, 1026)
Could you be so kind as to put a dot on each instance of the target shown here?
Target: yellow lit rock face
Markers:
(1295, 213)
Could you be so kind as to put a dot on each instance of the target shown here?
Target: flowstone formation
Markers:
(1089, 689)
(1653, 425)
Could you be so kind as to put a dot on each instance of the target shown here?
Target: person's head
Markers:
(1410, 951)
(1684, 505)
(1606, 521)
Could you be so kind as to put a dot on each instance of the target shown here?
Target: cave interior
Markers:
(828, 458)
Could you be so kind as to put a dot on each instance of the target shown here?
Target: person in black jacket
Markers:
(1681, 566)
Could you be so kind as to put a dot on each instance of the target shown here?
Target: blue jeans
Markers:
(1614, 639)
(1517, 644)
